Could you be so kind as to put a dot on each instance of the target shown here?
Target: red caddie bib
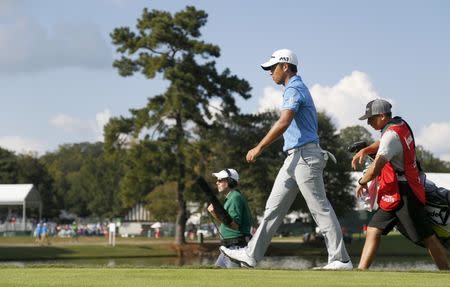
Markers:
(388, 193)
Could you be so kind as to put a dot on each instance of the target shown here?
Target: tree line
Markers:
(86, 179)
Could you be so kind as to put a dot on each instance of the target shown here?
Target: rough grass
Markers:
(186, 277)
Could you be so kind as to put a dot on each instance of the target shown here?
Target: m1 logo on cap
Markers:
(286, 59)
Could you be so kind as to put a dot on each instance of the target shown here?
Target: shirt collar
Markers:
(231, 191)
(293, 79)
(393, 121)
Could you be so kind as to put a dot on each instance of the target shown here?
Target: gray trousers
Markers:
(302, 170)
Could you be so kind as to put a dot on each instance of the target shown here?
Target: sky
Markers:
(58, 86)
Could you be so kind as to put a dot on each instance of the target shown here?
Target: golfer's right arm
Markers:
(274, 133)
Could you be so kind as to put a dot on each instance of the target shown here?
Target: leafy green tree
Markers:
(63, 165)
(145, 167)
(429, 162)
(350, 135)
(32, 170)
(161, 202)
(8, 166)
(96, 184)
(84, 181)
(169, 45)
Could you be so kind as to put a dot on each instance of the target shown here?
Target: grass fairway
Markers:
(185, 277)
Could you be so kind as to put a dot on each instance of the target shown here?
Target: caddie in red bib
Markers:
(401, 195)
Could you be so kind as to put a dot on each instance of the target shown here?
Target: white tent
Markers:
(25, 195)
(156, 225)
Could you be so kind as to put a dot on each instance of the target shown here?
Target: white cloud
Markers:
(271, 100)
(26, 46)
(345, 102)
(21, 145)
(89, 130)
(68, 123)
(434, 138)
(102, 118)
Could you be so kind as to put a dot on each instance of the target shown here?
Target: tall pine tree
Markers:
(170, 46)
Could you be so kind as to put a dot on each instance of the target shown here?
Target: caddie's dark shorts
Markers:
(410, 217)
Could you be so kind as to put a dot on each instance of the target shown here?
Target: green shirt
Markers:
(237, 207)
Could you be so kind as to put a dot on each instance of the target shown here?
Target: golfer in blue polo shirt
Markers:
(302, 169)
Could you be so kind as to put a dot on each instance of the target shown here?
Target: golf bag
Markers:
(222, 214)
(437, 207)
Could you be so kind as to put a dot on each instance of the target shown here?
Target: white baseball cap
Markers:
(227, 173)
(281, 56)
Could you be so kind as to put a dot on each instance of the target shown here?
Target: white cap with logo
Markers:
(281, 56)
(227, 173)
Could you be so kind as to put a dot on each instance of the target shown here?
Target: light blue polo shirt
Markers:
(303, 128)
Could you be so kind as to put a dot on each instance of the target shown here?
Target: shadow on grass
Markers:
(28, 253)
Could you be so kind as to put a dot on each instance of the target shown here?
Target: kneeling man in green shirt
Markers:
(237, 233)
